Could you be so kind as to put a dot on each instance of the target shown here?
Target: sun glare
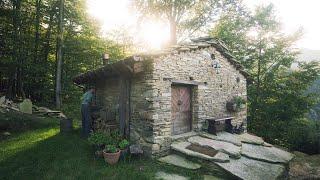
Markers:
(155, 35)
(116, 14)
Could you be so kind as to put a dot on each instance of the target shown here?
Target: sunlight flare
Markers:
(155, 35)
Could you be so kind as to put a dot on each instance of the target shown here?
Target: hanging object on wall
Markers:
(215, 64)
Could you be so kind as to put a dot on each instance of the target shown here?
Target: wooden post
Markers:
(59, 55)
(124, 105)
(128, 107)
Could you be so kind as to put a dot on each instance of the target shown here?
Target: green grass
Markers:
(39, 151)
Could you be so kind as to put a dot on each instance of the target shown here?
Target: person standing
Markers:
(87, 102)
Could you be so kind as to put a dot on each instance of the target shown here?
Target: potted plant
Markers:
(123, 145)
(97, 140)
(236, 104)
(111, 154)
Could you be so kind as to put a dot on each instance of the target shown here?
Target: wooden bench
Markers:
(216, 125)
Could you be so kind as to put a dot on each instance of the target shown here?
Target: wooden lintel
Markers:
(194, 83)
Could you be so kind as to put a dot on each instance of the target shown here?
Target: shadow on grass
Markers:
(70, 157)
(16, 123)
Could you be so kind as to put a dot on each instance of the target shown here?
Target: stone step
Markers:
(221, 146)
(182, 148)
(183, 137)
(267, 154)
(251, 139)
(250, 169)
(169, 176)
(224, 136)
(179, 161)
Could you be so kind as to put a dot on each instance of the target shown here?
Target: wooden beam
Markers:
(193, 83)
(124, 105)
(122, 86)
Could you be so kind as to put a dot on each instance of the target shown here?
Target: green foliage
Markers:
(97, 138)
(239, 101)
(34, 35)
(185, 18)
(276, 95)
(59, 156)
(123, 144)
(236, 104)
(111, 149)
(303, 135)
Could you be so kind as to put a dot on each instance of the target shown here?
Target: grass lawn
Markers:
(36, 150)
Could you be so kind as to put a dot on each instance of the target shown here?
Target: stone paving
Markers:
(182, 148)
(180, 161)
(244, 156)
(225, 147)
(268, 154)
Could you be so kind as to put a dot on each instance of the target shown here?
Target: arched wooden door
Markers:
(180, 109)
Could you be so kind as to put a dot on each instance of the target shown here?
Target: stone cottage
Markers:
(153, 98)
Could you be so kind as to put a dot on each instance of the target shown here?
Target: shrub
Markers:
(111, 149)
(97, 138)
(297, 135)
(303, 135)
(113, 138)
(123, 144)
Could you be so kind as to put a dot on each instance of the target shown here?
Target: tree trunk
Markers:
(37, 32)
(59, 55)
(46, 46)
(259, 72)
(15, 83)
(173, 31)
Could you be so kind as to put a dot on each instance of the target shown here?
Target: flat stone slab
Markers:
(250, 169)
(182, 148)
(267, 144)
(184, 135)
(167, 176)
(264, 153)
(224, 136)
(251, 139)
(221, 146)
(179, 161)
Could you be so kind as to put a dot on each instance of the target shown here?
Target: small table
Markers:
(216, 125)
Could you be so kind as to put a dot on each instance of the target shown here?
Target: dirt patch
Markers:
(203, 150)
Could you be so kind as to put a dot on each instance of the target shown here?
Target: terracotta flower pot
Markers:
(111, 158)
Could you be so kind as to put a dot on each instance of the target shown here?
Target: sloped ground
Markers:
(36, 150)
(304, 166)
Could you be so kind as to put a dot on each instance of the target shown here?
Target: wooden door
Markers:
(181, 109)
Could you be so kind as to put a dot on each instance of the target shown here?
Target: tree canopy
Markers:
(31, 41)
(278, 103)
(185, 17)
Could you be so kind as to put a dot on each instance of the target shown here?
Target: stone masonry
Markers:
(208, 100)
(150, 94)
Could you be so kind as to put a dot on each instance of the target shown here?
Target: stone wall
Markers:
(209, 99)
(143, 112)
(142, 107)
(150, 123)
